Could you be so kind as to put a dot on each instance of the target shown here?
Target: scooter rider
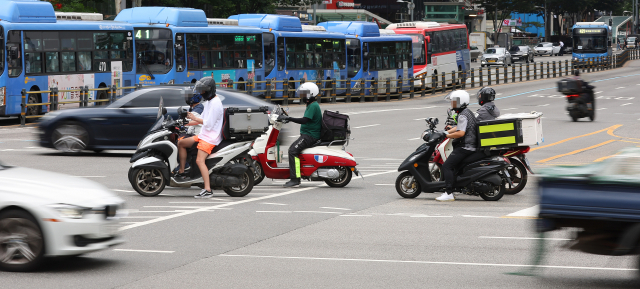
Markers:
(488, 109)
(196, 108)
(310, 126)
(210, 135)
(465, 132)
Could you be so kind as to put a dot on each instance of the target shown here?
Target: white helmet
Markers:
(308, 92)
(459, 99)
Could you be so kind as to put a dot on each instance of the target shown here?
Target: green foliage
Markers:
(71, 6)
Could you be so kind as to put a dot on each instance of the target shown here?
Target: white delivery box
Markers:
(531, 127)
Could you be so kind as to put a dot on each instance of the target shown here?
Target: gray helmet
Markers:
(485, 94)
(206, 87)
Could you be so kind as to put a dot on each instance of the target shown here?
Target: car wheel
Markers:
(21, 241)
(70, 137)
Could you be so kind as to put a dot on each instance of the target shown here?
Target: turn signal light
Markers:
(415, 165)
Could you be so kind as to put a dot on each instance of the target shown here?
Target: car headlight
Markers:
(69, 211)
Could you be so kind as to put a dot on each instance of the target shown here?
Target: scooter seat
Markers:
(477, 156)
(326, 143)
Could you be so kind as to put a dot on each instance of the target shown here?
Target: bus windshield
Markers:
(590, 43)
(419, 56)
(154, 49)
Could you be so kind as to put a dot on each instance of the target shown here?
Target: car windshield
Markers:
(514, 49)
(631, 39)
(149, 98)
(494, 51)
(544, 45)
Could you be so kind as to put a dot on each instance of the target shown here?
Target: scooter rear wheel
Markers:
(244, 188)
(519, 177)
(148, 183)
(342, 180)
(496, 194)
(407, 186)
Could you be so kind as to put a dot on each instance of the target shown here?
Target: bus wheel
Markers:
(34, 110)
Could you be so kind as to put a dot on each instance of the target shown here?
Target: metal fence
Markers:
(374, 90)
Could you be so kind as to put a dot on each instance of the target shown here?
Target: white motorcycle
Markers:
(156, 157)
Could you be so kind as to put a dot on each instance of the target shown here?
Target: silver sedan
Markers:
(496, 56)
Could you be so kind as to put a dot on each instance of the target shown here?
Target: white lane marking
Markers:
(334, 208)
(598, 92)
(124, 191)
(524, 238)
(386, 110)
(381, 173)
(601, 108)
(6, 150)
(204, 209)
(274, 204)
(380, 159)
(385, 184)
(417, 138)
(371, 170)
(544, 104)
(89, 176)
(288, 212)
(397, 164)
(509, 108)
(621, 87)
(471, 216)
(528, 212)
(350, 215)
(367, 126)
(141, 217)
(270, 189)
(427, 216)
(426, 262)
(193, 203)
(626, 104)
(143, 251)
(139, 212)
(294, 136)
(317, 212)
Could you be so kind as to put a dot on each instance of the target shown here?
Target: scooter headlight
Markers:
(425, 135)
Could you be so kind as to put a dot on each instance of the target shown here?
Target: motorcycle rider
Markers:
(210, 134)
(310, 126)
(585, 96)
(488, 110)
(465, 143)
(196, 108)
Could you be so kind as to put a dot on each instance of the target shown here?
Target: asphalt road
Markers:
(361, 236)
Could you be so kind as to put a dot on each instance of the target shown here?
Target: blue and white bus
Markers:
(177, 45)
(372, 56)
(590, 40)
(293, 54)
(42, 53)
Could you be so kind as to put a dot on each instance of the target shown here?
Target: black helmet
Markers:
(485, 94)
(206, 87)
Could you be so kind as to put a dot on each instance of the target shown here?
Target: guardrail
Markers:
(372, 90)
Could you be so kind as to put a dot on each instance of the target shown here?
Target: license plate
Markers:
(491, 60)
(516, 58)
(110, 229)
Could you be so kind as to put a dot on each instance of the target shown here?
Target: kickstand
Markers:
(538, 254)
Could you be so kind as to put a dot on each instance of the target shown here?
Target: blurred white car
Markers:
(46, 214)
(547, 48)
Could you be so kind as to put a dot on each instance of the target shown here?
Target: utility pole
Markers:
(495, 26)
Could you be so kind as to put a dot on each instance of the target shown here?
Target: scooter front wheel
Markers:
(147, 182)
(258, 173)
(407, 186)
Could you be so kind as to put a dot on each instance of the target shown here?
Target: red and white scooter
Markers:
(328, 162)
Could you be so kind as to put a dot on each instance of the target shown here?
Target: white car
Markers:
(46, 214)
(547, 48)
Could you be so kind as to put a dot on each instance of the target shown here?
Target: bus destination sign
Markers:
(590, 31)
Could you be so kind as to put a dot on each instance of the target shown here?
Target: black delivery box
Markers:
(499, 133)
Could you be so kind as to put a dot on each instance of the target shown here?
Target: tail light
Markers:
(572, 95)
(525, 150)
(3, 95)
(507, 160)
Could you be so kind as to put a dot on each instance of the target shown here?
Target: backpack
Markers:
(335, 126)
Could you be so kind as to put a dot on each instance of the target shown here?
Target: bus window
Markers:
(68, 61)
(280, 54)
(353, 57)
(84, 41)
(14, 49)
(192, 51)
(2, 50)
(84, 61)
(33, 62)
(269, 52)
(52, 62)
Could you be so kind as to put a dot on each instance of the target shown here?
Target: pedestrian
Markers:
(561, 48)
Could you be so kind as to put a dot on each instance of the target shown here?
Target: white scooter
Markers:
(156, 157)
(326, 161)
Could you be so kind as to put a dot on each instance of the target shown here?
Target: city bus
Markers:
(372, 56)
(178, 45)
(43, 52)
(293, 54)
(591, 39)
(437, 47)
